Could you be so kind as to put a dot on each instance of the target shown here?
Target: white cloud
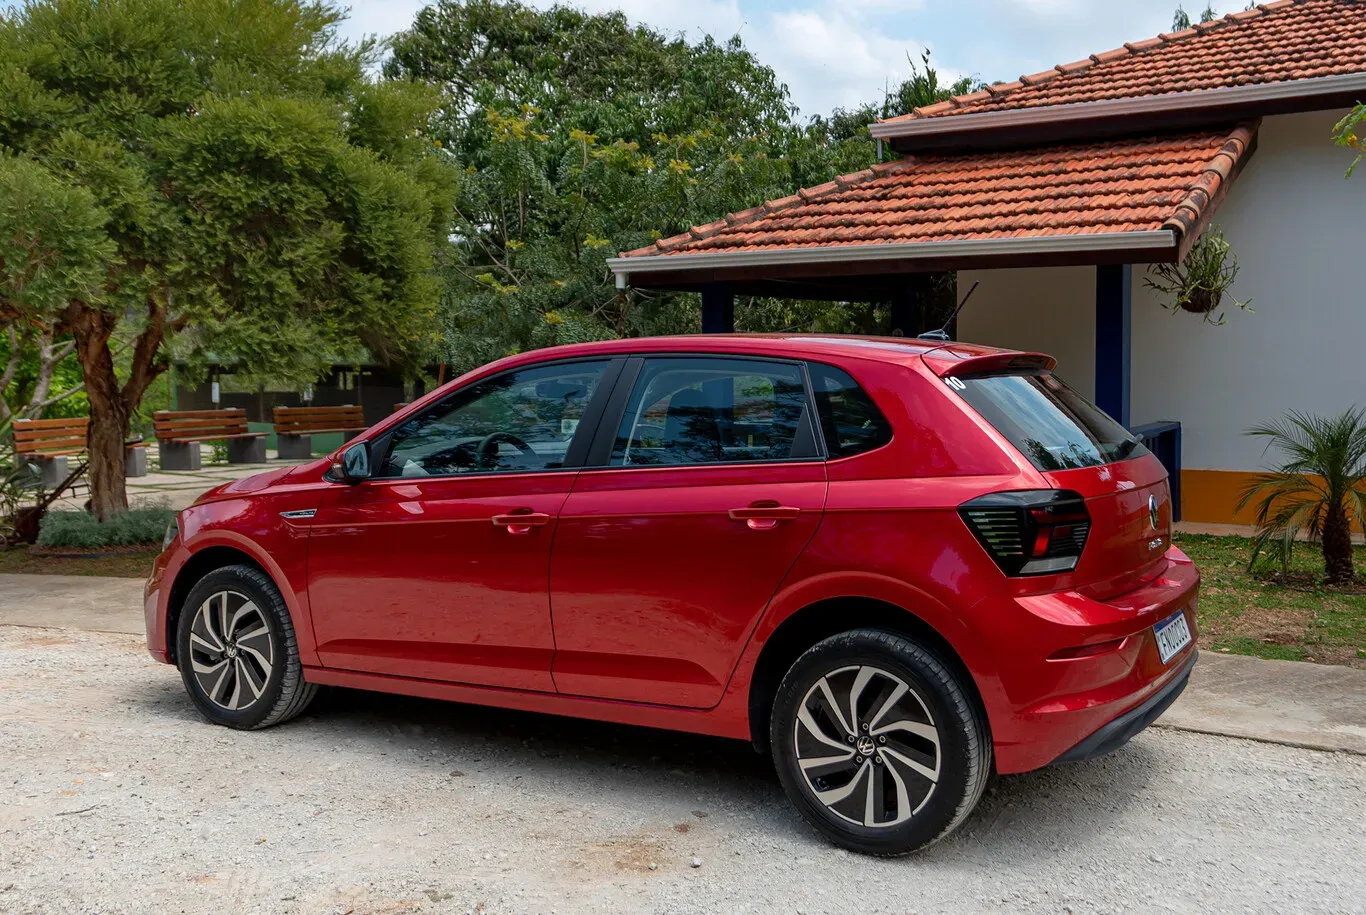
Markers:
(834, 53)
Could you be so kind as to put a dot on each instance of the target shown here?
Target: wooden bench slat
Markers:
(213, 438)
(202, 424)
(71, 441)
(47, 435)
(65, 452)
(310, 430)
(230, 413)
(73, 422)
(207, 433)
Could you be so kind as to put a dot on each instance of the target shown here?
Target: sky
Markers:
(838, 53)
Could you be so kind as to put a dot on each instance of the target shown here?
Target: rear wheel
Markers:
(877, 744)
(237, 652)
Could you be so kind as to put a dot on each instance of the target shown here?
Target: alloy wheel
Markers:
(867, 746)
(232, 652)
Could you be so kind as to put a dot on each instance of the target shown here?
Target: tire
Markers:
(913, 764)
(251, 678)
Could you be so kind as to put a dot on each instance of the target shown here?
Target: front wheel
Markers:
(878, 744)
(237, 653)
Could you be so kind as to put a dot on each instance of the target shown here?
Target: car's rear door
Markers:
(710, 483)
(438, 567)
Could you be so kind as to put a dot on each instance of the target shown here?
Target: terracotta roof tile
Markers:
(1276, 42)
(1106, 186)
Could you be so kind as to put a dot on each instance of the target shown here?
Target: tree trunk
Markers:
(109, 412)
(111, 407)
(1337, 546)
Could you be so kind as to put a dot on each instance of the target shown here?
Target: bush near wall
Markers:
(146, 525)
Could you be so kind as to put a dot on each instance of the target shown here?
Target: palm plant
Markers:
(1319, 489)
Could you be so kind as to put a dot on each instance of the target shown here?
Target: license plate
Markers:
(1172, 635)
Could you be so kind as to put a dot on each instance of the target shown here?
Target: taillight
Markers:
(1035, 532)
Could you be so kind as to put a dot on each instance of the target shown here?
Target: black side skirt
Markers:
(1110, 737)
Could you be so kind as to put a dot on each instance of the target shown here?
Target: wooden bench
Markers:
(49, 442)
(296, 426)
(179, 433)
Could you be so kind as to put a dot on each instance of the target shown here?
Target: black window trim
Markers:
(575, 455)
(815, 407)
(609, 424)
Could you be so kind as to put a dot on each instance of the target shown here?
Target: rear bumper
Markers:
(1117, 733)
(1051, 702)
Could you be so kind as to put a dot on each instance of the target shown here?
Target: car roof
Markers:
(898, 350)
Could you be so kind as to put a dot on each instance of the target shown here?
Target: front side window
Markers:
(1051, 424)
(852, 423)
(711, 411)
(518, 422)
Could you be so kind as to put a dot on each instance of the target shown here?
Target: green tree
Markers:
(1318, 489)
(1345, 135)
(581, 136)
(248, 190)
(1182, 20)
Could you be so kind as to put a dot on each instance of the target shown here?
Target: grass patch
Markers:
(16, 561)
(1266, 615)
(146, 525)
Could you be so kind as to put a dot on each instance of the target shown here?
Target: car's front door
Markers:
(437, 567)
(665, 558)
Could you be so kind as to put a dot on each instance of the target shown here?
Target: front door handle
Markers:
(764, 516)
(521, 521)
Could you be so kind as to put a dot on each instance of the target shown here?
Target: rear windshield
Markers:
(1051, 424)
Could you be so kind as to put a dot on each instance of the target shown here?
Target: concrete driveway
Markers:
(119, 798)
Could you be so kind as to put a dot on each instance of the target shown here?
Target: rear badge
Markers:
(1155, 544)
(301, 513)
(1153, 517)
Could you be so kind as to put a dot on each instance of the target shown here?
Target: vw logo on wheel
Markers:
(1154, 517)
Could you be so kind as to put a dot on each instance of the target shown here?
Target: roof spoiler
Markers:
(945, 361)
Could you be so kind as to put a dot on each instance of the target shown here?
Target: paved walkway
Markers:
(1286, 702)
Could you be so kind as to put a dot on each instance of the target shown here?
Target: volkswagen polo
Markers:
(898, 566)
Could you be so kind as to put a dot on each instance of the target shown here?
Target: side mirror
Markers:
(354, 465)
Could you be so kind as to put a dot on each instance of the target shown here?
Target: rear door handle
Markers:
(521, 522)
(764, 517)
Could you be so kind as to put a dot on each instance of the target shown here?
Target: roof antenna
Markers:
(942, 334)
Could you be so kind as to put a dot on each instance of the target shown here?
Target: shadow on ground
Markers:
(1037, 816)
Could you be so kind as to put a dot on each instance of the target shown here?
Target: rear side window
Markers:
(852, 423)
(1051, 424)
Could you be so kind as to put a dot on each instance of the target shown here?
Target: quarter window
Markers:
(712, 411)
(852, 423)
(518, 422)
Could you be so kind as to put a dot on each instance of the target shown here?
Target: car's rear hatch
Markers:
(1078, 448)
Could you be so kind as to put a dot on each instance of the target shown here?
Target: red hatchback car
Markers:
(897, 565)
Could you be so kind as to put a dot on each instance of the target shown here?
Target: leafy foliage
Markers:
(580, 136)
(1182, 20)
(1345, 135)
(1318, 489)
(218, 176)
(1199, 283)
(135, 526)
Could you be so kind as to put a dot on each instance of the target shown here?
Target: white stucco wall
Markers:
(1299, 231)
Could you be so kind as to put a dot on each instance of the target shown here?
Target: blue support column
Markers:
(718, 309)
(1114, 295)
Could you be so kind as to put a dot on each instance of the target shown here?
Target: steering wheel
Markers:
(486, 452)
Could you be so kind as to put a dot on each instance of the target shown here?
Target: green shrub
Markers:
(81, 529)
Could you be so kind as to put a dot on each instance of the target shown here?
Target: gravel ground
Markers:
(117, 797)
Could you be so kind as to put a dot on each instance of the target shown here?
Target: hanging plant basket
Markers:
(1200, 283)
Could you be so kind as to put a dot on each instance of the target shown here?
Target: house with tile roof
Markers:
(1058, 192)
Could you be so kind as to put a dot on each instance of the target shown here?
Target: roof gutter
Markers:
(1159, 240)
(1052, 115)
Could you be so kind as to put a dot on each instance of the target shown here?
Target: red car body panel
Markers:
(636, 618)
(643, 600)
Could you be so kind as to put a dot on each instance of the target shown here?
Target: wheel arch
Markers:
(201, 563)
(830, 616)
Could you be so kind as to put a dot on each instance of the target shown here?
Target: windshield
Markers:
(1051, 424)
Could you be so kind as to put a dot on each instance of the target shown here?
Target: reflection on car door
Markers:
(438, 568)
(665, 558)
